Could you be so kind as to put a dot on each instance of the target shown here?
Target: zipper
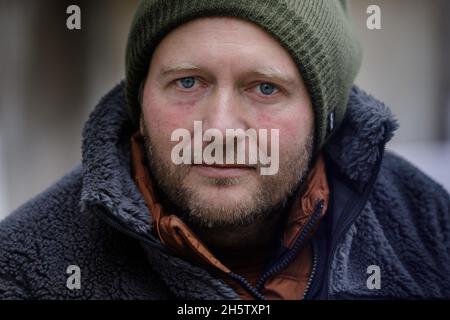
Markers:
(347, 223)
(313, 271)
(284, 261)
(254, 292)
(287, 258)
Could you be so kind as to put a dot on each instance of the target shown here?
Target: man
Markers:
(151, 214)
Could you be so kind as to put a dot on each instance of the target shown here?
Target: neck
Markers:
(246, 245)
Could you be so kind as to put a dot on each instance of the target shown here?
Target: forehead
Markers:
(218, 40)
(216, 27)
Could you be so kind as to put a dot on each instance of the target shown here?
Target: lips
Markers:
(223, 170)
(227, 166)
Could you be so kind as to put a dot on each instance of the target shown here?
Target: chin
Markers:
(220, 213)
(222, 196)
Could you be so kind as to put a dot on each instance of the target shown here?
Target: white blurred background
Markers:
(51, 78)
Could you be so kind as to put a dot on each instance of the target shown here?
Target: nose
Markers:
(226, 110)
(223, 110)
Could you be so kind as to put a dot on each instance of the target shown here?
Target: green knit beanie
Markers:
(317, 33)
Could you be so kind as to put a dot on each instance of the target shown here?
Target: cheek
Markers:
(163, 117)
(293, 128)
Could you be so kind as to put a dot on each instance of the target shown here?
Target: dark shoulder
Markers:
(409, 180)
(41, 240)
(59, 196)
(407, 196)
(32, 235)
(47, 212)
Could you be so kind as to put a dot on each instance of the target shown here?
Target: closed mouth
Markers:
(228, 166)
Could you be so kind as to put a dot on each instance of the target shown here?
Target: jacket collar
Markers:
(107, 178)
(358, 143)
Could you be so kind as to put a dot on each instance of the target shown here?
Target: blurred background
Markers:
(51, 78)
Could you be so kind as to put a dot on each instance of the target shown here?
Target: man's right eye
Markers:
(186, 83)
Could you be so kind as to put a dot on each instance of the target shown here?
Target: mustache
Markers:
(245, 156)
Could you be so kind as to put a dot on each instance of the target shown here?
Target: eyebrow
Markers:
(272, 73)
(182, 67)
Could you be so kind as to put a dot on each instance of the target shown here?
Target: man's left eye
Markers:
(187, 83)
(267, 89)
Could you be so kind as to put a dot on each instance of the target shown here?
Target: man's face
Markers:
(229, 74)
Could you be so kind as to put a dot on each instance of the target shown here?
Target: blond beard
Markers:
(272, 194)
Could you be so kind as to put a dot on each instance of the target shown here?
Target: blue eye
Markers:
(267, 88)
(187, 83)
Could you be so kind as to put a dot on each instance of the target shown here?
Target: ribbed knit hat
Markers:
(317, 34)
